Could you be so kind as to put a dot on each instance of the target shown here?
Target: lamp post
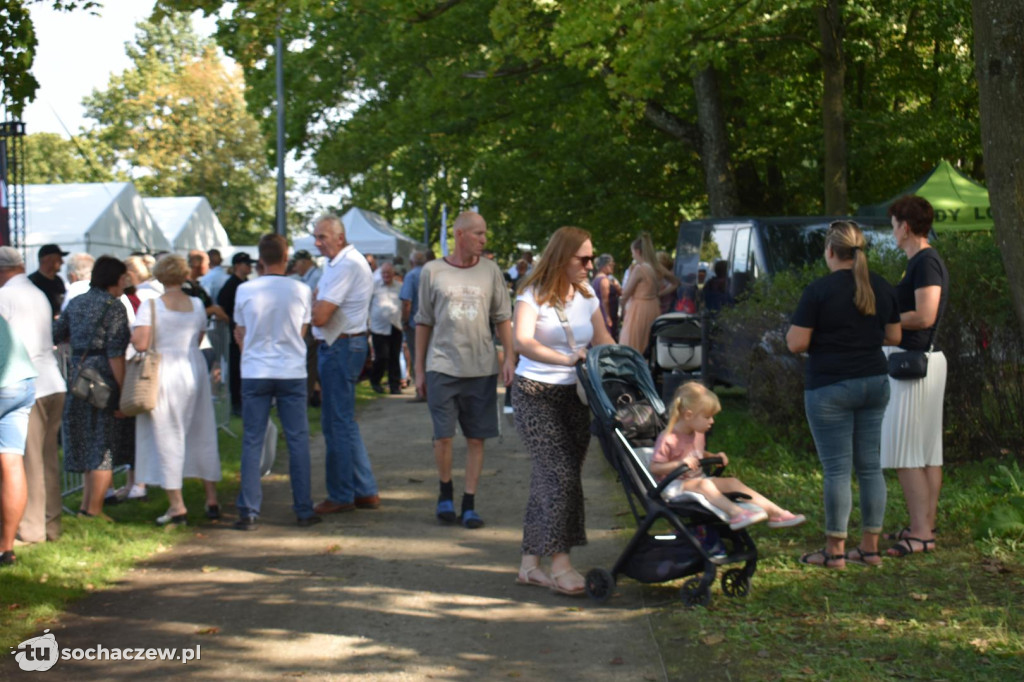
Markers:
(281, 226)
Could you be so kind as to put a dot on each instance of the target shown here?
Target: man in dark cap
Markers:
(46, 278)
(307, 270)
(241, 268)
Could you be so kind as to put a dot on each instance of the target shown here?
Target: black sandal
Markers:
(826, 561)
(905, 547)
(902, 534)
(861, 557)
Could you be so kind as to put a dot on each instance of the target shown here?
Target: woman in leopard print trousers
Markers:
(557, 316)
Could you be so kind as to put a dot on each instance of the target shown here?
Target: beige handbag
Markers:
(142, 376)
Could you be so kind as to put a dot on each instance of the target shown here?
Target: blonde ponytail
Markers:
(847, 243)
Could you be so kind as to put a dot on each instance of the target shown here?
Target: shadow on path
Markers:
(387, 594)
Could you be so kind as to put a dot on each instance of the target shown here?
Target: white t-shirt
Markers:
(386, 308)
(551, 333)
(28, 313)
(347, 283)
(273, 309)
(213, 281)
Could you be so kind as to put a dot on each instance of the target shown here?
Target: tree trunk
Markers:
(714, 145)
(833, 65)
(999, 55)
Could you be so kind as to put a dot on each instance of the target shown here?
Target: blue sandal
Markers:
(445, 511)
(470, 519)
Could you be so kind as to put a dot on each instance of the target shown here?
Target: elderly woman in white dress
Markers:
(178, 439)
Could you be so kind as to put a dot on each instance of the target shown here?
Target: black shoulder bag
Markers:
(913, 364)
(89, 384)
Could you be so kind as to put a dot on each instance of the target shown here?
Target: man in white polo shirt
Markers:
(27, 311)
(341, 311)
(272, 314)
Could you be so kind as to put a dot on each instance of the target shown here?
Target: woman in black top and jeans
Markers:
(912, 428)
(842, 321)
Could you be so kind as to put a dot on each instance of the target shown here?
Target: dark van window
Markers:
(688, 251)
(789, 246)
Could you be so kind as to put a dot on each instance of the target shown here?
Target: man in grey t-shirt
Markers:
(460, 296)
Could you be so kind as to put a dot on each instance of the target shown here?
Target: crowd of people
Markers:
(301, 334)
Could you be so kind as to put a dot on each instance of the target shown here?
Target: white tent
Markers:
(369, 233)
(98, 218)
(188, 223)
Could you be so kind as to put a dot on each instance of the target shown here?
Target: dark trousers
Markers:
(235, 376)
(387, 351)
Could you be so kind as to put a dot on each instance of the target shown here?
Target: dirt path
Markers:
(372, 595)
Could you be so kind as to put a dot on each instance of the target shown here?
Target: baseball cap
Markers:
(302, 254)
(49, 249)
(241, 257)
(10, 257)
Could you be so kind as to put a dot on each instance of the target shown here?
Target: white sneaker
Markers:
(138, 491)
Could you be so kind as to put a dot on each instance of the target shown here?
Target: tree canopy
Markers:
(18, 49)
(52, 159)
(176, 122)
(614, 116)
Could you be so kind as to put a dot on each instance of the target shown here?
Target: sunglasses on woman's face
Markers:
(585, 261)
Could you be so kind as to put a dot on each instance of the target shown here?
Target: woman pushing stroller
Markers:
(691, 415)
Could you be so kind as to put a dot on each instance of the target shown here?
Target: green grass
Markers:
(950, 615)
(92, 555)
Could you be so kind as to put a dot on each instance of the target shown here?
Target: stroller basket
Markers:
(698, 538)
(677, 338)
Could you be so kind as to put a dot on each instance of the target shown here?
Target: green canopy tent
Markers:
(960, 203)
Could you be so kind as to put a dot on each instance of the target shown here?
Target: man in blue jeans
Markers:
(272, 314)
(341, 310)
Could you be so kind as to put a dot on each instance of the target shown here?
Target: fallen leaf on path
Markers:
(332, 549)
(209, 569)
(616, 661)
(712, 640)
(807, 671)
(917, 596)
(208, 631)
(13, 607)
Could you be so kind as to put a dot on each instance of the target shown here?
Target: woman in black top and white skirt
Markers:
(912, 427)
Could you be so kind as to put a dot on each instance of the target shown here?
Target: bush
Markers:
(981, 339)
(979, 335)
(754, 330)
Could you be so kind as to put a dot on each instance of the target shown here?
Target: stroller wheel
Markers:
(693, 594)
(600, 584)
(735, 583)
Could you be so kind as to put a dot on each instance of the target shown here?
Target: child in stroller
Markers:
(676, 536)
(691, 415)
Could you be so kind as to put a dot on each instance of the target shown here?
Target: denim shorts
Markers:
(15, 405)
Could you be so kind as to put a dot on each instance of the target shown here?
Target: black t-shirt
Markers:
(226, 297)
(53, 288)
(925, 269)
(195, 290)
(845, 344)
